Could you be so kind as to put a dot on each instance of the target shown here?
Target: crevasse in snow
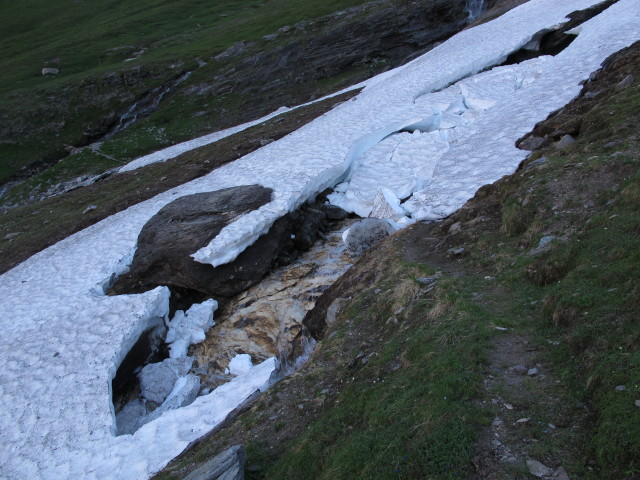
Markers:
(62, 340)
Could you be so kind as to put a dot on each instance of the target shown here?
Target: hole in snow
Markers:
(548, 43)
(555, 41)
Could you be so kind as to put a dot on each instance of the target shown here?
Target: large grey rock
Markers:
(158, 379)
(228, 465)
(179, 229)
(364, 234)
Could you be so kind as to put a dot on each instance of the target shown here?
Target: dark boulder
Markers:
(179, 229)
(182, 227)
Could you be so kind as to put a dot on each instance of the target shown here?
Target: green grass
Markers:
(406, 413)
(88, 35)
(90, 41)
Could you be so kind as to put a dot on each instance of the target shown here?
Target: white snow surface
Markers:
(240, 364)
(63, 339)
(186, 329)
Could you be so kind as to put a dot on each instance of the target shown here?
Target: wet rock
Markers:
(158, 379)
(334, 213)
(537, 469)
(366, 233)
(266, 320)
(565, 142)
(228, 465)
(308, 223)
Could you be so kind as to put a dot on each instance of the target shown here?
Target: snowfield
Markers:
(426, 136)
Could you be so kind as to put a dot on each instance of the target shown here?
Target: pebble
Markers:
(519, 369)
(89, 208)
(521, 421)
(621, 388)
(532, 372)
(508, 406)
(10, 236)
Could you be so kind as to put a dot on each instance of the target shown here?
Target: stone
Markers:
(128, 420)
(546, 240)
(334, 213)
(50, 71)
(334, 310)
(532, 372)
(625, 82)
(637, 403)
(613, 144)
(228, 465)
(565, 142)
(89, 209)
(536, 163)
(531, 142)
(455, 228)
(11, 236)
(158, 379)
(180, 228)
(519, 369)
(621, 388)
(538, 469)
(366, 233)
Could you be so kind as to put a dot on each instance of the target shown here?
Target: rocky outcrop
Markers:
(266, 320)
(228, 465)
(167, 241)
(363, 40)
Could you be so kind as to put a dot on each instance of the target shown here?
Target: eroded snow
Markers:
(63, 340)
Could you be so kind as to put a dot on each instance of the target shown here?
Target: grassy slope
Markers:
(82, 33)
(88, 40)
(395, 388)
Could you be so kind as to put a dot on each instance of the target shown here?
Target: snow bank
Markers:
(63, 341)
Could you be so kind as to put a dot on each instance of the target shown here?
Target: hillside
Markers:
(131, 82)
(424, 372)
(494, 335)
